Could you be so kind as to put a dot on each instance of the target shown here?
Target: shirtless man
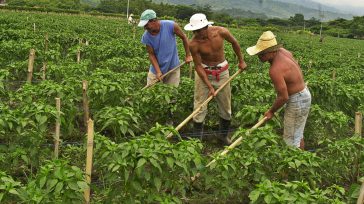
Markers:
(288, 82)
(207, 49)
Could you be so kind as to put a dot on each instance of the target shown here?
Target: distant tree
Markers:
(312, 22)
(357, 26)
(297, 20)
(279, 22)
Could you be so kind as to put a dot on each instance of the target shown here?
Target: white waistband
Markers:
(222, 64)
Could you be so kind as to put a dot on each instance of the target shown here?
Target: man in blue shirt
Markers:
(161, 45)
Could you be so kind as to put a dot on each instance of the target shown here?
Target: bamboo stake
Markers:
(232, 146)
(334, 74)
(44, 68)
(31, 65)
(191, 70)
(203, 104)
(78, 56)
(58, 127)
(86, 109)
(358, 123)
(164, 75)
(90, 144)
(361, 195)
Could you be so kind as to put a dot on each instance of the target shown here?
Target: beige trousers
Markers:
(223, 98)
(172, 78)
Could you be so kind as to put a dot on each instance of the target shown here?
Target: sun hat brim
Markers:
(142, 23)
(254, 50)
(191, 27)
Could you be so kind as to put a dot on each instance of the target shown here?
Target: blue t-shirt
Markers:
(164, 46)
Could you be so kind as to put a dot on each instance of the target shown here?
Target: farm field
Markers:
(133, 162)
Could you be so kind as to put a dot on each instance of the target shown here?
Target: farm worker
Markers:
(130, 19)
(160, 41)
(288, 82)
(207, 48)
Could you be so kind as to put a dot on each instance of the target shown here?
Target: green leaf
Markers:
(157, 183)
(254, 195)
(58, 188)
(42, 181)
(141, 162)
(155, 164)
(83, 185)
(13, 191)
(170, 162)
(51, 183)
(73, 186)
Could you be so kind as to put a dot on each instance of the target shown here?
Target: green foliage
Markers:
(295, 192)
(143, 168)
(56, 182)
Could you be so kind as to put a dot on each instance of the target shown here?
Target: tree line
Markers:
(233, 17)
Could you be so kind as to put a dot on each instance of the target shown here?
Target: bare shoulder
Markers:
(193, 44)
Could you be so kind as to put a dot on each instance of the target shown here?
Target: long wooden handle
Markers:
(238, 141)
(203, 104)
(164, 75)
(361, 195)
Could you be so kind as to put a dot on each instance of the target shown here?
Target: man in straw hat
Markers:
(207, 49)
(288, 82)
(160, 41)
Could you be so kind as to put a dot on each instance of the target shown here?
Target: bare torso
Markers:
(285, 64)
(211, 49)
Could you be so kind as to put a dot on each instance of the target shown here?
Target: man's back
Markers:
(284, 64)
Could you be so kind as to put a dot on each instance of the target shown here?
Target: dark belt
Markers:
(216, 70)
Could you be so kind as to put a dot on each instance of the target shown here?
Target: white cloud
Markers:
(353, 3)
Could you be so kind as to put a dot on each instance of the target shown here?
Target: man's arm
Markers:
(281, 89)
(178, 31)
(153, 59)
(199, 69)
(225, 33)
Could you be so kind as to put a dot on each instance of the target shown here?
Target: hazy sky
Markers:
(359, 3)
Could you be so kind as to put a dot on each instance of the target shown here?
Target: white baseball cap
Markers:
(197, 21)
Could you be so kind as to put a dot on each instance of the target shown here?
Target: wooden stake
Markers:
(164, 75)
(358, 123)
(44, 68)
(203, 104)
(78, 55)
(34, 27)
(334, 74)
(361, 195)
(86, 109)
(310, 64)
(90, 145)
(358, 54)
(58, 128)
(191, 70)
(31, 65)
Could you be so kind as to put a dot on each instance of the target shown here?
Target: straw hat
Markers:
(197, 21)
(265, 41)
